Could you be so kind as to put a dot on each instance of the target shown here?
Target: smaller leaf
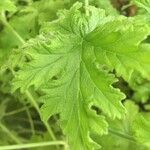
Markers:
(142, 129)
(7, 5)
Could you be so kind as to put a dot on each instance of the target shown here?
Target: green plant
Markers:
(77, 73)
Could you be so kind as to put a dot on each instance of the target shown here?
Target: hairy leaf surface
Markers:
(67, 63)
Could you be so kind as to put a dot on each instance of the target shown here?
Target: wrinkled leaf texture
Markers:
(67, 63)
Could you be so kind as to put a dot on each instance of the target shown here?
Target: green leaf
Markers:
(47, 9)
(62, 65)
(142, 129)
(67, 63)
(117, 44)
(7, 5)
(121, 134)
(141, 88)
(26, 22)
(103, 4)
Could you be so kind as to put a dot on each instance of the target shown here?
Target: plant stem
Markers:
(86, 7)
(31, 145)
(16, 111)
(11, 135)
(27, 93)
(28, 114)
(30, 97)
(33, 102)
(4, 20)
(30, 120)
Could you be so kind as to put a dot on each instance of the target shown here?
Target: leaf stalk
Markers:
(32, 145)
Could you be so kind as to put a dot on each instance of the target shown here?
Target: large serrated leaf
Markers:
(65, 62)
